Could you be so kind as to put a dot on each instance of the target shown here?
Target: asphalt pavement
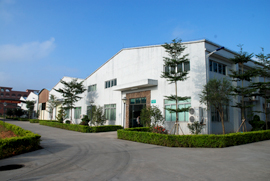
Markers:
(69, 155)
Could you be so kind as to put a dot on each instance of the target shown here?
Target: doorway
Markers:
(135, 107)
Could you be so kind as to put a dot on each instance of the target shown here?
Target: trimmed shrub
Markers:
(208, 141)
(34, 120)
(81, 128)
(25, 142)
(23, 119)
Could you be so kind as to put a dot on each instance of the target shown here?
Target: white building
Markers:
(31, 97)
(134, 75)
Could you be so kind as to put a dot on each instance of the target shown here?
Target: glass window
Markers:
(224, 70)
(67, 112)
(172, 70)
(186, 66)
(143, 100)
(138, 100)
(77, 112)
(179, 68)
(215, 115)
(2, 90)
(7, 90)
(219, 68)
(182, 116)
(2, 95)
(92, 88)
(215, 66)
(132, 101)
(13, 95)
(7, 95)
(110, 112)
(166, 70)
(211, 65)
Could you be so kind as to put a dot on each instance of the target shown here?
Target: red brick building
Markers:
(11, 98)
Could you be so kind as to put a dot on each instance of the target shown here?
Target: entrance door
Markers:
(134, 112)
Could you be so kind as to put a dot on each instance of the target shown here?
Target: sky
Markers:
(41, 41)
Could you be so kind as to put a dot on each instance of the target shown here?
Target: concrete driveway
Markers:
(69, 155)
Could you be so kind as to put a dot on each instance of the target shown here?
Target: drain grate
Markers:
(10, 167)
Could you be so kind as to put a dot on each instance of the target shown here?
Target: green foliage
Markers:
(159, 129)
(98, 116)
(61, 115)
(34, 120)
(195, 128)
(23, 119)
(151, 114)
(81, 128)
(27, 141)
(256, 123)
(208, 141)
(18, 112)
(85, 120)
(9, 112)
(173, 70)
(30, 106)
(52, 103)
(70, 93)
(217, 93)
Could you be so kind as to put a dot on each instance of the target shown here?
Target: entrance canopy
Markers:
(136, 85)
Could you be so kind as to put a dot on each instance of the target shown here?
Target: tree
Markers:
(241, 75)
(151, 114)
(9, 112)
(70, 93)
(61, 115)
(18, 112)
(98, 116)
(52, 103)
(195, 128)
(175, 72)
(30, 106)
(263, 70)
(217, 93)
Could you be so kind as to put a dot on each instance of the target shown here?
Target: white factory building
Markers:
(132, 79)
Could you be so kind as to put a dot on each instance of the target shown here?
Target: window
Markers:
(7, 95)
(19, 95)
(110, 112)
(2, 95)
(43, 106)
(110, 83)
(92, 88)
(67, 112)
(141, 100)
(77, 112)
(215, 115)
(178, 68)
(217, 67)
(2, 90)
(89, 111)
(13, 95)
(183, 116)
(7, 90)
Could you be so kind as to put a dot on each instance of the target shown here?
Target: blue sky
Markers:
(43, 40)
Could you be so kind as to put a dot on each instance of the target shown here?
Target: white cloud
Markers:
(26, 52)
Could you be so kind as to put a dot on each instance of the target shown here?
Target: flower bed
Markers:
(25, 142)
(208, 141)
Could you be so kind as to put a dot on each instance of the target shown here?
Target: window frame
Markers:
(110, 112)
(172, 104)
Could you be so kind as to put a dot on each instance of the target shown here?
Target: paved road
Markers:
(69, 155)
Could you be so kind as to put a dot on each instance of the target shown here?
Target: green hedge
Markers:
(81, 128)
(34, 120)
(27, 141)
(208, 141)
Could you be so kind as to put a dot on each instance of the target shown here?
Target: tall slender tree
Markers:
(176, 69)
(263, 70)
(52, 103)
(242, 75)
(70, 93)
(30, 106)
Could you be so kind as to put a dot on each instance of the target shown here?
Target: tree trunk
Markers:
(221, 115)
(242, 102)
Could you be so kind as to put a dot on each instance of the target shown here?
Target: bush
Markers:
(67, 121)
(81, 128)
(23, 119)
(159, 129)
(195, 128)
(27, 141)
(256, 123)
(34, 120)
(209, 141)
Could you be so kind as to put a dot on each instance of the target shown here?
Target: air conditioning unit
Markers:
(195, 114)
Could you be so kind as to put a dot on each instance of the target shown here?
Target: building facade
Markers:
(131, 79)
(10, 98)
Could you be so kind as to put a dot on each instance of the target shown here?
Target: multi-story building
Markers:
(10, 98)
